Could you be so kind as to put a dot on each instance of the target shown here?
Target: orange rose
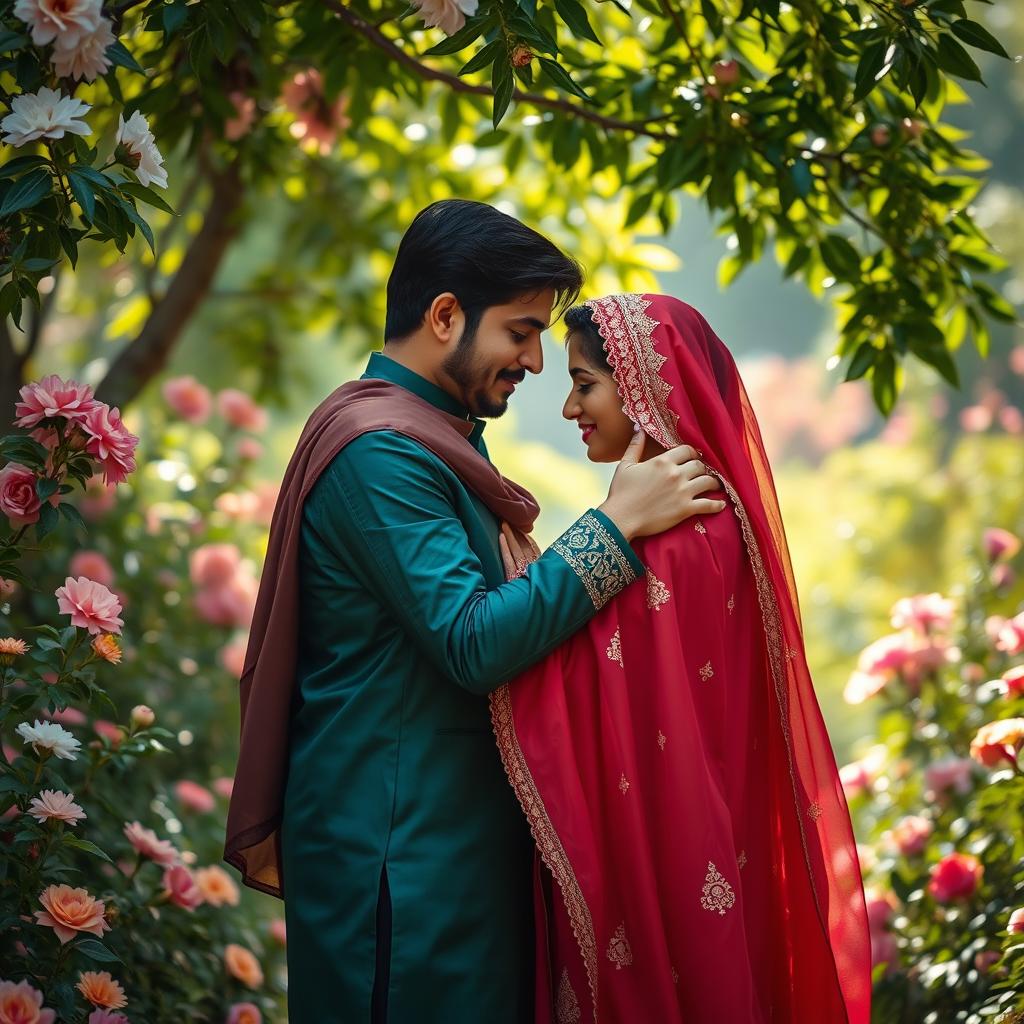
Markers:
(22, 1003)
(217, 886)
(70, 911)
(998, 741)
(242, 965)
(101, 989)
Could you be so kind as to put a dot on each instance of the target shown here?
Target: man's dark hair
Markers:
(479, 254)
(580, 321)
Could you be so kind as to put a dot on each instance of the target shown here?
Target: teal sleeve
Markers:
(385, 506)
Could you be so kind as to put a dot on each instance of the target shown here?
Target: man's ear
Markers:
(445, 318)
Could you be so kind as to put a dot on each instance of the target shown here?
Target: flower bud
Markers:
(726, 72)
(881, 135)
(142, 716)
(521, 56)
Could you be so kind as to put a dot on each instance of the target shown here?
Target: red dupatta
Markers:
(671, 757)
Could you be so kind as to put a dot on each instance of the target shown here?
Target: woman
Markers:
(698, 861)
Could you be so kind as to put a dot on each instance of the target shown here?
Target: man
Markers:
(396, 840)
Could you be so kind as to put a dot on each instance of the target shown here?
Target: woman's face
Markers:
(596, 407)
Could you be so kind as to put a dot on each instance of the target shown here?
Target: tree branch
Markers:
(456, 84)
(143, 358)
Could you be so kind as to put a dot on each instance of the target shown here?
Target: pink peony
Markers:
(64, 20)
(18, 498)
(279, 931)
(213, 565)
(924, 614)
(145, 842)
(110, 442)
(90, 605)
(241, 124)
(1000, 545)
(85, 57)
(20, 1003)
(194, 797)
(241, 411)
(51, 803)
(244, 1013)
(180, 887)
(910, 834)
(1016, 922)
(93, 565)
(950, 773)
(955, 878)
(224, 785)
(53, 398)
(232, 656)
(856, 779)
(188, 398)
(249, 448)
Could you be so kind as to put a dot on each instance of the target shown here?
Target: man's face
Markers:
(489, 362)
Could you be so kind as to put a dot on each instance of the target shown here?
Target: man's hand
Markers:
(650, 497)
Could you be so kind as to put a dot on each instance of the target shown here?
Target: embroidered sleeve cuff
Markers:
(598, 553)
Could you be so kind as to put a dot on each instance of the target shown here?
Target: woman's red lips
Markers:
(588, 429)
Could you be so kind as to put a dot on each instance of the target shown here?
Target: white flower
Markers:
(447, 15)
(44, 115)
(135, 136)
(64, 20)
(49, 736)
(85, 57)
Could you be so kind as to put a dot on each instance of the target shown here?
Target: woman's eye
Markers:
(584, 388)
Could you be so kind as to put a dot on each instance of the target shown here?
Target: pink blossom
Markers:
(1000, 544)
(232, 656)
(955, 877)
(1011, 419)
(85, 57)
(194, 797)
(90, 604)
(924, 613)
(249, 448)
(241, 124)
(213, 565)
(884, 950)
(975, 419)
(18, 498)
(1016, 922)
(66, 20)
(886, 656)
(53, 398)
(880, 907)
(279, 931)
(67, 716)
(244, 1013)
(52, 803)
(241, 411)
(94, 565)
(145, 842)
(1014, 679)
(950, 773)
(1002, 577)
(232, 604)
(242, 506)
(108, 730)
(910, 834)
(855, 778)
(180, 887)
(1011, 636)
(110, 442)
(316, 119)
(188, 398)
(223, 785)
(20, 1003)
(103, 1016)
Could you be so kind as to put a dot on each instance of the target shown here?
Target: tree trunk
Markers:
(143, 358)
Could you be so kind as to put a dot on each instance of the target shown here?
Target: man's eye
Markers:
(518, 337)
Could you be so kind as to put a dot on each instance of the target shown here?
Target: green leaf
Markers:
(84, 844)
(938, 356)
(469, 32)
(870, 64)
(575, 16)
(483, 57)
(26, 192)
(36, 264)
(73, 516)
(952, 57)
(146, 194)
(561, 77)
(503, 82)
(47, 520)
(95, 950)
(883, 382)
(637, 208)
(975, 35)
(10, 41)
(134, 216)
(118, 55)
(100, 181)
(174, 16)
(21, 163)
(841, 258)
(803, 180)
(81, 189)
(45, 486)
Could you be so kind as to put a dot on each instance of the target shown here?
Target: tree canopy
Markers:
(308, 134)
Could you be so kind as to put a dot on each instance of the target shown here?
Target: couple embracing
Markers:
(494, 784)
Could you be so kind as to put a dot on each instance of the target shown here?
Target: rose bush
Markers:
(939, 798)
(113, 904)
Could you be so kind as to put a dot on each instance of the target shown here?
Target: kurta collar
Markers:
(381, 367)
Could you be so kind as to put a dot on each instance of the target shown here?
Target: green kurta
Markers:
(406, 624)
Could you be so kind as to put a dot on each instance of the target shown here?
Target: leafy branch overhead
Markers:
(813, 128)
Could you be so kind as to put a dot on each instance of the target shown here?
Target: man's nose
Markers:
(532, 357)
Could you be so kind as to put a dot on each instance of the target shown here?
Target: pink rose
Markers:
(52, 398)
(194, 797)
(856, 779)
(20, 1003)
(223, 785)
(93, 565)
(90, 605)
(180, 887)
(1014, 679)
(279, 931)
(232, 656)
(955, 878)
(249, 448)
(884, 950)
(924, 614)
(18, 498)
(110, 442)
(911, 833)
(241, 411)
(188, 398)
(1000, 545)
(213, 565)
(950, 773)
(145, 842)
(1016, 922)
(244, 1013)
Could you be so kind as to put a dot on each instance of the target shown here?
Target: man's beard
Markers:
(473, 380)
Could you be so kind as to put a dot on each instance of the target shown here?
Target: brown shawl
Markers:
(268, 677)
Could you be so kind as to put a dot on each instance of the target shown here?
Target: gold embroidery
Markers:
(661, 739)
(732, 603)
(614, 649)
(814, 812)
(567, 1009)
(699, 527)
(623, 784)
(675, 976)
(741, 860)
(657, 592)
(791, 653)
(619, 951)
(718, 894)
(706, 672)
(594, 555)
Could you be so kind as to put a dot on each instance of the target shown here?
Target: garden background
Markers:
(201, 230)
